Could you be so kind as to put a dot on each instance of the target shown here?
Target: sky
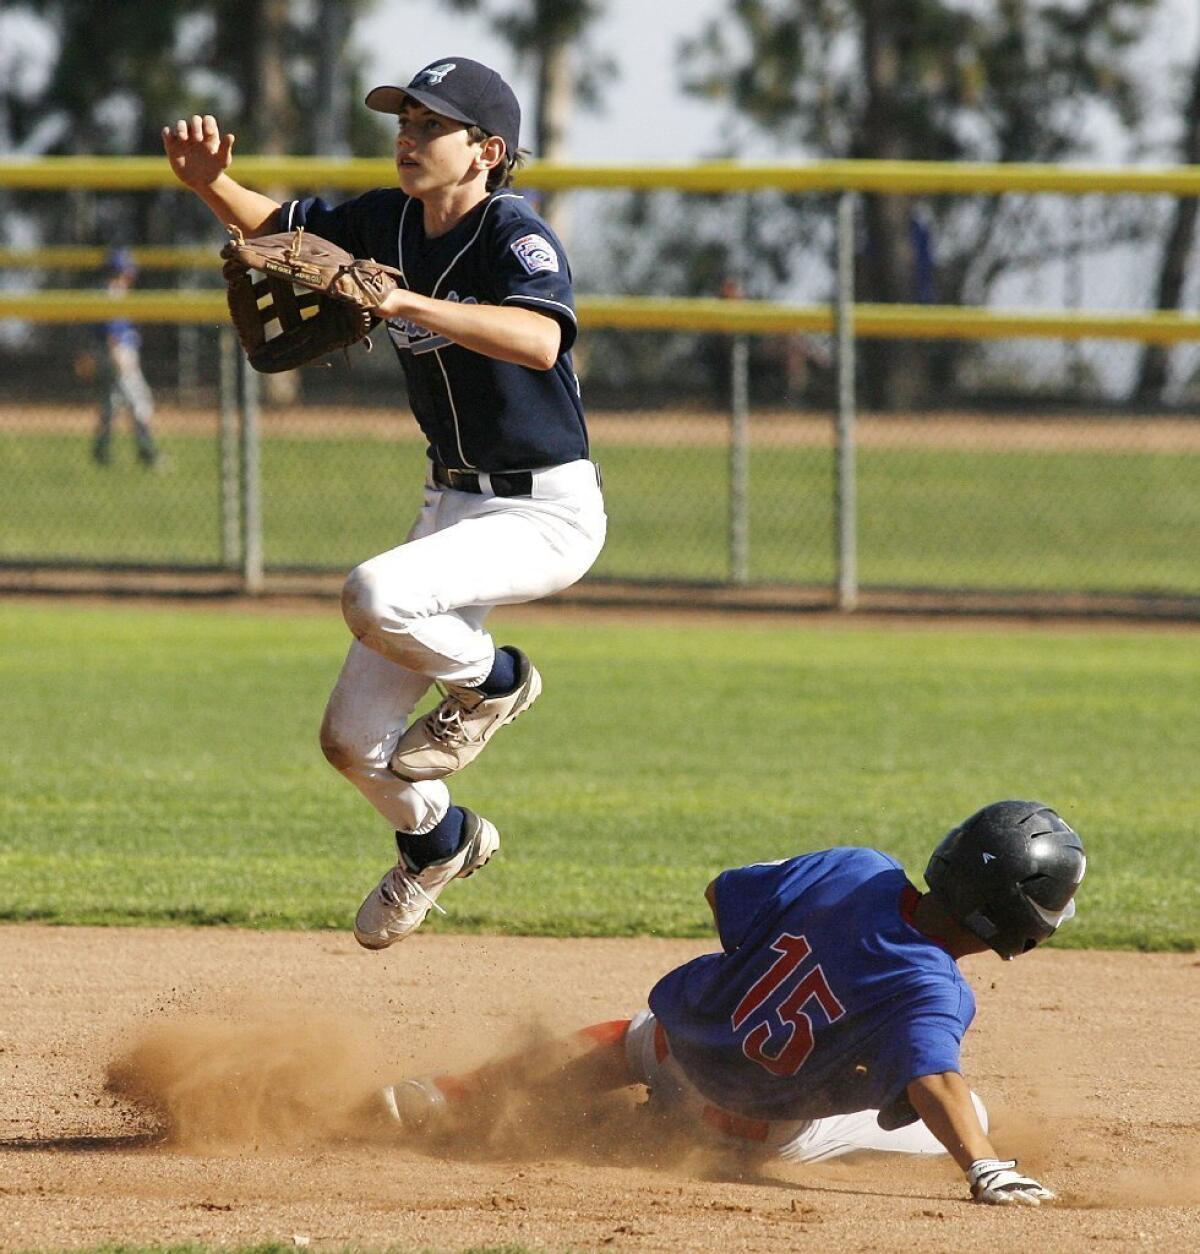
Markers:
(647, 118)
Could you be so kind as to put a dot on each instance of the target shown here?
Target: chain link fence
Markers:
(1028, 470)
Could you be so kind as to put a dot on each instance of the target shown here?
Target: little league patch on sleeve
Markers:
(535, 253)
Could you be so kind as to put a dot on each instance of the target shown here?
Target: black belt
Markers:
(503, 482)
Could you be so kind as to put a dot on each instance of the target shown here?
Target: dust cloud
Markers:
(297, 1079)
(281, 1080)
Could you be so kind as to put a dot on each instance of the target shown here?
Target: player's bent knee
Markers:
(339, 752)
(368, 606)
(360, 603)
(338, 755)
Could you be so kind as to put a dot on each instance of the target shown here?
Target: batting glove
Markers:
(994, 1181)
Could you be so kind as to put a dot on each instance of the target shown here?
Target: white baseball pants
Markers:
(417, 612)
(123, 386)
(797, 1141)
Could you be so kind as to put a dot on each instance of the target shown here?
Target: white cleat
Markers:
(400, 901)
(454, 733)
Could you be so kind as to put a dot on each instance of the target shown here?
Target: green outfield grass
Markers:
(930, 517)
(161, 766)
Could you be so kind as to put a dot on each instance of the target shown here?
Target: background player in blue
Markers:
(832, 1019)
(483, 328)
(122, 384)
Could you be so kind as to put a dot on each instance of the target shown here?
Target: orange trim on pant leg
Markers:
(456, 1088)
(598, 1036)
(661, 1048)
(736, 1125)
(610, 1033)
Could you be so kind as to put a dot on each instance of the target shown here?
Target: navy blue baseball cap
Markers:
(462, 89)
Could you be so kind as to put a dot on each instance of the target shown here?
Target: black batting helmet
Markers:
(1009, 874)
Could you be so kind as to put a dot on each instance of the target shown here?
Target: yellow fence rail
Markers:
(358, 174)
(747, 317)
(93, 257)
(633, 313)
(846, 322)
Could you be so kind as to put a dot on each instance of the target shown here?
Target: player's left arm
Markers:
(944, 1103)
(509, 333)
(710, 895)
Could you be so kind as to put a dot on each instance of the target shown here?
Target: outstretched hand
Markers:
(197, 150)
(997, 1182)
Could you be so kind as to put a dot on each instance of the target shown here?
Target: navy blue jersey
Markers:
(477, 413)
(826, 1000)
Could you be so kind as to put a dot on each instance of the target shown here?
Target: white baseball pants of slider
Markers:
(417, 612)
(797, 1141)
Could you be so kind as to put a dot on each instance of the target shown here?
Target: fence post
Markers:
(252, 550)
(187, 352)
(739, 461)
(845, 487)
(228, 469)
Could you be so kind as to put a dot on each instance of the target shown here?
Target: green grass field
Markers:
(929, 517)
(161, 766)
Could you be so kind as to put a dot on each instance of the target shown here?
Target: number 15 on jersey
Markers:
(783, 1040)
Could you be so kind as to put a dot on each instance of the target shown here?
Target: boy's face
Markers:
(433, 152)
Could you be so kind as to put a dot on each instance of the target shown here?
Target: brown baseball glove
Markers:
(295, 298)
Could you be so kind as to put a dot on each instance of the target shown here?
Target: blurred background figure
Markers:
(121, 382)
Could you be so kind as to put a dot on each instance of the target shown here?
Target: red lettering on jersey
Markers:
(798, 1040)
(792, 951)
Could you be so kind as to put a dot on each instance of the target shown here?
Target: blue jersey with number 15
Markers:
(826, 1000)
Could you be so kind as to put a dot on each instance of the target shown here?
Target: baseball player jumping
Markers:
(483, 327)
(832, 1020)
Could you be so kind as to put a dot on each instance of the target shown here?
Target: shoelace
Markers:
(400, 888)
(445, 724)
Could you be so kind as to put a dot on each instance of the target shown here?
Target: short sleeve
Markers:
(532, 271)
(347, 225)
(742, 895)
(929, 1043)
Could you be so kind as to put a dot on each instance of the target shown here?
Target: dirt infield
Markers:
(262, 1042)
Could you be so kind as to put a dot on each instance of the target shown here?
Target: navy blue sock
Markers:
(435, 845)
(502, 678)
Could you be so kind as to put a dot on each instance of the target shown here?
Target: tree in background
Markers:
(1017, 80)
(279, 74)
(1177, 248)
(552, 36)
(121, 71)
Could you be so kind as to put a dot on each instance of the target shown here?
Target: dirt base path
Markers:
(262, 1041)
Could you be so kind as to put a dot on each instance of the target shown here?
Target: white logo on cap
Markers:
(435, 73)
(535, 253)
